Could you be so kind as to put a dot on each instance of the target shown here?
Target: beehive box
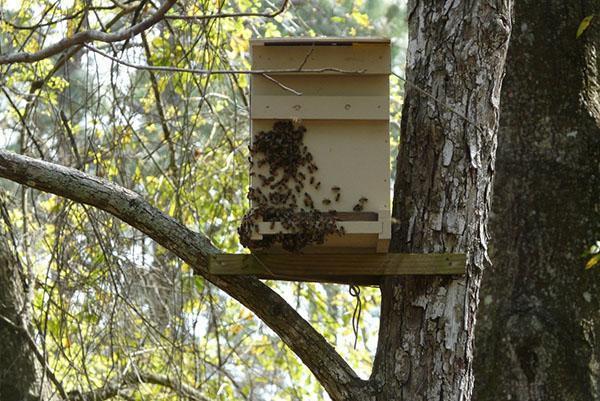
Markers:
(337, 91)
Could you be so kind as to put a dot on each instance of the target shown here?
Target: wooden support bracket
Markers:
(365, 269)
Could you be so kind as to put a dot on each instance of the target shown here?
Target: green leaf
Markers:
(593, 261)
(585, 23)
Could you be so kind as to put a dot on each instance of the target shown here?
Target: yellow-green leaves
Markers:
(594, 254)
(583, 25)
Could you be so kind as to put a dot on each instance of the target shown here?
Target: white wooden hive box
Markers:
(344, 106)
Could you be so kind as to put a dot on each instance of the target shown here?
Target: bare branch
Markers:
(114, 387)
(223, 72)
(88, 36)
(318, 355)
(282, 85)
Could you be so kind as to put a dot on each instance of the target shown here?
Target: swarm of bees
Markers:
(291, 169)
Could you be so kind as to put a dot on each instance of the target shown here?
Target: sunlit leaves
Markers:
(583, 25)
(594, 255)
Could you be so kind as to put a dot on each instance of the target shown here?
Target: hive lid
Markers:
(318, 41)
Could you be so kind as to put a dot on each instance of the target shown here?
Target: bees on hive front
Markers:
(288, 170)
(360, 205)
(285, 155)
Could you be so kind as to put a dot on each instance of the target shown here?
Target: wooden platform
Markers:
(363, 269)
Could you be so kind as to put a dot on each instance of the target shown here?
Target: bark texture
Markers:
(20, 376)
(442, 196)
(539, 338)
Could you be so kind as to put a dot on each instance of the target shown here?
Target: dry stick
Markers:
(222, 72)
(89, 36)
(23, 122)
(65, 122)
(281, 85)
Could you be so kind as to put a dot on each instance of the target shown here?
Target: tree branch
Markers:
(115, 387)
(88, 36)
(332, 371)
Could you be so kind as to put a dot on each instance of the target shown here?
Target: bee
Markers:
(297, 188)
(302, 176)
(358, 207)
(312, 180)
(318, 185)
(326, 201)
(337, 197)
(335, 188)
(363, 200)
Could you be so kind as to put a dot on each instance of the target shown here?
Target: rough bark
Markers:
(539, 338)
(20, 375)
(442, 196)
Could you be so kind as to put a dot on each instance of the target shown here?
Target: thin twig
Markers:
(65, 121)
(221, 72)
(23, 122)
(281, 85)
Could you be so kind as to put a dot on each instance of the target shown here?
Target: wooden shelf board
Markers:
(337, 268)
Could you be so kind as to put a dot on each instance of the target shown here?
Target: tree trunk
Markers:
(442, 195)
(539, 338)
(20, 376)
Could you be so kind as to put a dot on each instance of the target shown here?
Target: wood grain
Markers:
(363, 268)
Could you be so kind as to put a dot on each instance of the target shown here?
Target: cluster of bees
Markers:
(291, 169)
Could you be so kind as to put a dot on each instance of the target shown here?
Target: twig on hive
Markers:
(221, 72)
(306, 58)
(281, 85)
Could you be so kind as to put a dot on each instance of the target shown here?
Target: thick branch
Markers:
(87, 37)
(338, 379)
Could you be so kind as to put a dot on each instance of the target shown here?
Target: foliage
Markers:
(594, 255)
(108, 301)
(585, 23)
